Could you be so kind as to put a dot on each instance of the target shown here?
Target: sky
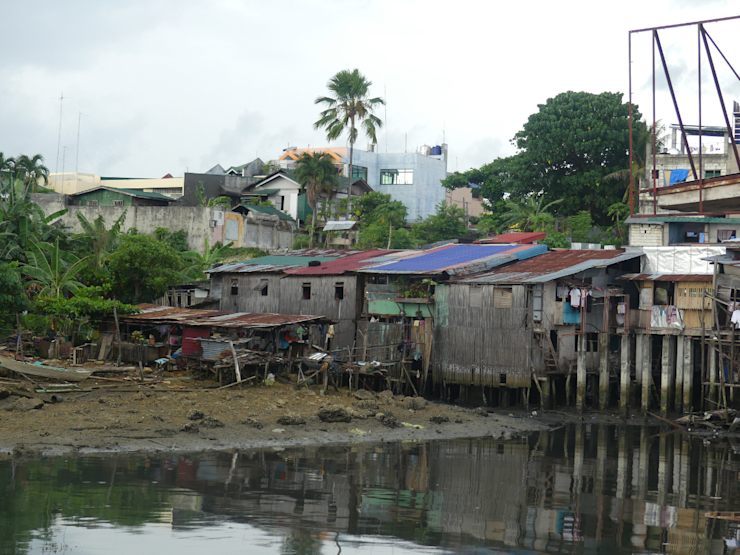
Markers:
(152, 87)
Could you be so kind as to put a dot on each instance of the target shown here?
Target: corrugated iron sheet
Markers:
(213, 350)
(453, 259)
(553, 265)
(216, 319)
(666, 277)
(513, 237)
(341, 265)
(281, 262)
(339, 225)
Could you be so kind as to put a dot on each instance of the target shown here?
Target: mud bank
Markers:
(102, 422)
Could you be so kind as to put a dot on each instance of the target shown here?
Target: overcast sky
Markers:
(173, 86)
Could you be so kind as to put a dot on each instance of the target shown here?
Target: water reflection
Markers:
(579, 489)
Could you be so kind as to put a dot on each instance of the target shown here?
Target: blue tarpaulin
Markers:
(678, 176)
(439, 259)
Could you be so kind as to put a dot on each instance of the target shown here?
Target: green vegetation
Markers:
(573, 157)
(317, 174)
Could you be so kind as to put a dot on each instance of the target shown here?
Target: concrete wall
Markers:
(423, 195)
(255, 230)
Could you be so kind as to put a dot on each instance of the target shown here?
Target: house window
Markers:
(234, 286)
(339, 291)
(359, 172)
(306, 291)
(502, 297)
(281, 202)
(117, 203)
(92, 202)
(475, 190)
(725, 234)
(708, 174)
(396, 177)
(262, 287)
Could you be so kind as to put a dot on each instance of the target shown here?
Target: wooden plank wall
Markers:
(475, 345)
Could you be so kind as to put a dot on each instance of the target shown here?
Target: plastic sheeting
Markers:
(679, 260)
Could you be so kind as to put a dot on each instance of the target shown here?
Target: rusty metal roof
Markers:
(345, 264)
(155, 314)
(552, 265)
(666, 277)
(517, 237)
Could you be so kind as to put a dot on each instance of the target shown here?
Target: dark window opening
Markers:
(234, 286)
(725, 234)
(339, 291)
(554, 339)
(306, 291)
(502, 379)
(708, 174)
(262, 287)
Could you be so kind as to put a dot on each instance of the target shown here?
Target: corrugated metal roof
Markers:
(339, 226)
(341, 265)
(553, 265)
(269, 210)
(212, 318)
(513, 237)
(666, 277)
(281, 262)
(445, 259)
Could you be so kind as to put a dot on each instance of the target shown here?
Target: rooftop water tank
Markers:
(437, 150)
(425, 150)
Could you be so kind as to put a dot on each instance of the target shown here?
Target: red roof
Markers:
(168, 176)
(339, 266)
(513, 237)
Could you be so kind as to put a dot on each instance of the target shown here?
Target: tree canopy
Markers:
(565, 151)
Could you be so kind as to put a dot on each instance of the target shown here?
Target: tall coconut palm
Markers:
(348, 107)
(34, 169)
(316, 173)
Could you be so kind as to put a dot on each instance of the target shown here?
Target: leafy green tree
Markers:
(13, 298)
(447, 223)
(7, 164)
(348, 106)
(144, 268)
(55, 276)
(198, 263)
(316, 173)
(531, 214)
(581, 226)
(178, 240)
(87, 302)
(381, 222)
(642, 137)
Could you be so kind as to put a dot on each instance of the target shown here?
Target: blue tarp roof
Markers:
(443, 258)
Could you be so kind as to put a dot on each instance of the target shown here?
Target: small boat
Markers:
(68, 374)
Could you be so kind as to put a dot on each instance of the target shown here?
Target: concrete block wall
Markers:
(646, 235)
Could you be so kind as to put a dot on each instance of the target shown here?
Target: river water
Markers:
(578, 489)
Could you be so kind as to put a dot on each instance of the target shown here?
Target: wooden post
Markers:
(680, 361)
(236, 362)
(118, 332)
(19, 345)
(647, 371)
(581, 373)
(667, 368)
(713, 375)
(624, 375)
(604, 369)
(688, 372)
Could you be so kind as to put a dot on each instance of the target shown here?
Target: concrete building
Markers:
(469, 199)
(414, 178)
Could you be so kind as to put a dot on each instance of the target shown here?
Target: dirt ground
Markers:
(113, 416)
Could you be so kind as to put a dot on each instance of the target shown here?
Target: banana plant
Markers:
(54, 276)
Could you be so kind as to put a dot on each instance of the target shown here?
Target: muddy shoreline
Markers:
(111, 422)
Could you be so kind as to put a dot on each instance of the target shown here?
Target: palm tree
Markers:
(54, 277)
(201, 262)
(101, 241)
(527, 215)
(34, 169)
(7, 165)
(316, 173)
(349, 106)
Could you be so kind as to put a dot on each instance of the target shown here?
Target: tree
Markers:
(144, 268)
(178, 240)
(13, 298)
(33, 169)
(7, 165)
(316, 173)
(99, 242)
(201, 262)
(381, 222)
(203, 200)
(57, 276)
(447, 223)
(529, 215)
(642, 137)
(349, 106)
(568, 147)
